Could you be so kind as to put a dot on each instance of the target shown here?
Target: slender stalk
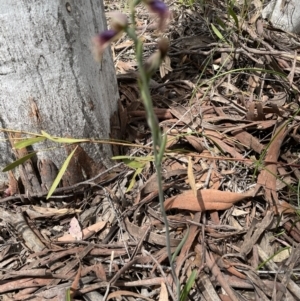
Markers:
(159, 141)
(156, 136)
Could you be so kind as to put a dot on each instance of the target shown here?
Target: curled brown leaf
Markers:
(207, 199)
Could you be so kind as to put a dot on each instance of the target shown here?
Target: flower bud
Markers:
(100, 42)
(161, 9)
(157, 57)
(118, 21)
(163, 47)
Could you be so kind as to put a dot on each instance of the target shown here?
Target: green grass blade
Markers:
(180, 245)
(232, 71)
(18, 162)
(162, 148)
(121, 157)
(264, 152)
(146, 158)
(270, 258)
(217, 32)
(134, 164)
(221, 23)
(28, 142)
(63, 140)
(132, 182)
(234, 17)
(185, 291)
(68, 295)
(60, 174)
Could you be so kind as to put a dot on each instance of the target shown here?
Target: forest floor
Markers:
(227, 97)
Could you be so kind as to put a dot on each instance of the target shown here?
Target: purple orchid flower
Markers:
(101, 41)
(161, 9)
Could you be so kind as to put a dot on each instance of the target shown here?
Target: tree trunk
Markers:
(284, 14)
(49, 81)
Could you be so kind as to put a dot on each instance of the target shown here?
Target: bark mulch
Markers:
(228, 101)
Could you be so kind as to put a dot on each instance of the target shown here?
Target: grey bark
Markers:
(48, 78)
(284, 14)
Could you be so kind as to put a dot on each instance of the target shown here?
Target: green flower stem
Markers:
(159, 142)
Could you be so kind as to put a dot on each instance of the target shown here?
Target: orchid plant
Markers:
(119, 25)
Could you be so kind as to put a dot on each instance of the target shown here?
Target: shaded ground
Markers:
(228, 100)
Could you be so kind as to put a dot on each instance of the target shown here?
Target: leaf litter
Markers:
(227, 98)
